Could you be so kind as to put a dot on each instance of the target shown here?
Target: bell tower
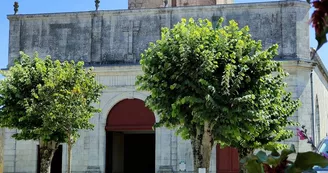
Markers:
(138, 4)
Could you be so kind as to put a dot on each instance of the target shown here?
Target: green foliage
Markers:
(279, 163)
(198, 73)
(47, 100)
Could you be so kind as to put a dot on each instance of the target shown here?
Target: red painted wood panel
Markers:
(227, 160)
(130, 115)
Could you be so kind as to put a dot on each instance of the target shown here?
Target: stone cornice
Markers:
(319, 63)
(140, 12)
(126, 70)
(299, 63)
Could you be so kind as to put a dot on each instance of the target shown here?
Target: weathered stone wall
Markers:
(138, 4)
(195, 2)
(321, 102)
(300, 86)
(109, 39)
(299, 83)
(90, 149)
(118, 37)
(20, 156)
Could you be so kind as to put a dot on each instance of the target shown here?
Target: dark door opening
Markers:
(130, 138)
(174, 3)
(130, 152)
(56, 164)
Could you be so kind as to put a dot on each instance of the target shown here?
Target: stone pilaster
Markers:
(96, 37)
(14, 40)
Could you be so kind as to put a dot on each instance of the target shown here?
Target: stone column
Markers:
(10, 153)
(102, 141)
(94, 157)
(2, 142)
(165, 20)
(174, 151)
(163, 147)
(130, 30)
(96, 38)
(14, 39)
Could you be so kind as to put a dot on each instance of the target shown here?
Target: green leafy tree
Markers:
(216, 84)
(48, 101)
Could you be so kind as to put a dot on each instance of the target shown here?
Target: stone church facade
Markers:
(111, 42)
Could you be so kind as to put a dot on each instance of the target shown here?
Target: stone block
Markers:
(9, 169)
(8, 163)
(165, 169)
(93, 169)
(9, 158)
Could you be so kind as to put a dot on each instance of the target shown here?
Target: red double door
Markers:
(227, 160)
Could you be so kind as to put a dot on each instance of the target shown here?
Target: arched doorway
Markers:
(130, 139)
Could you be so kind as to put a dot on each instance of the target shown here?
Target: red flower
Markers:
(300, 134)
(318, 18)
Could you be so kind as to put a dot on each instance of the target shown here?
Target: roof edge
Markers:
(321, 65)
(292, 3)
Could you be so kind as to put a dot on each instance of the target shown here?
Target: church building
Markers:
(123, 140)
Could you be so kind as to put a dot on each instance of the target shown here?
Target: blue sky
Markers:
(50, 6)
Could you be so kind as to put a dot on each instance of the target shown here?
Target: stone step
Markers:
(165, 169)
(93, 169)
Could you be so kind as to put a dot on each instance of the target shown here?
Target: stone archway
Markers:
(129, 137)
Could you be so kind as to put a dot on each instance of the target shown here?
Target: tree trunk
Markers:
(202, 144)
(2, 141)
(69, 156)
(47, 150)
(243, 152)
